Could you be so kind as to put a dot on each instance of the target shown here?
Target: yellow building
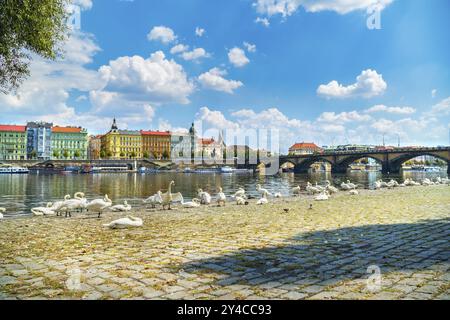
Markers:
(121, 144)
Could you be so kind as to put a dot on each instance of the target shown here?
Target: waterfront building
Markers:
(210, 148)
(39, 140)
(180, 145)
(156, 144)
(121, 144)
(94, 147)
(69, 143)
(304, 148)
(13, 142)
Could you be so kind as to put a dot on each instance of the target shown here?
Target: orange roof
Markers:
(66, 129)
(155, 133)
(304, 145)
(206, 141)
(12, 128)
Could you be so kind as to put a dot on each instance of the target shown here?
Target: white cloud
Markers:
(343, 117)
(83, 4)
(163, 34)
(155, 79)
(195, 54)
(368, 84)
(213, 79)
(179, 48)
(264, 21)
(394, 110)
(250, 47)
(442, 108)
(215, 119)
(237, 57)
(288, 7)
(199, 31)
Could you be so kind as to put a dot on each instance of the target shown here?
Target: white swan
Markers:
(311, 190)
(323, 196)
(320, 188)
(330, 188)
(426, 182)
(351, 185)
(296, 190)
(43, 211)
(125, 223)
(99, 205)
(240, 193)
(240, 201)
(167, 197)
(205, 197)
(262, 191)
(353, 192)
(78, 203)
(263, 200)
(125, 207)
(278, 195)
(154, 200)
(221, 197)
(2, 211)
(195, 203)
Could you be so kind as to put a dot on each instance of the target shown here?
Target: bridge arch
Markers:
(306, 164)
(396, 163)
(345, 163)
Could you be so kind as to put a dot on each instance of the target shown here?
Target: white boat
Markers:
(226, 170)
(13, 170)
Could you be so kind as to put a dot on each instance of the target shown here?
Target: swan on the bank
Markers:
(195, 203)
(320, 188)
(331, 189)
(261, 190)
(2, 211)
(296, 190)
(125, 223)
(323, 196)
(79, 202)
(167, 197)
(240, 193)
(426, 182)
(263, 200)
(278, 195)
(347, 186)
(221, 197)
(125, 207)
(311, 190)
(43, 211)
(240, 201)
(99, 205)
(205, 197)
(154, 199)
(353, 192)
(351, 185)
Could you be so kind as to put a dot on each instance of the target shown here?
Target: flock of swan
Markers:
(80, 203)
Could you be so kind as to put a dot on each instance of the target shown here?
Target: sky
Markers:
(313, 70)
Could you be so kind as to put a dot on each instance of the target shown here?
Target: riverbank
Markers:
(239, 252)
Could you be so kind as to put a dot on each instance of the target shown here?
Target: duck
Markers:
(99, 205)
(195, 203)
(296, 191)
(261, 190)
(43, 211)
(205, 197)
(123, 223)
(2, 211)
(311, 190)
(221, 197)
(353, 192)
(154, 199)
(125, 207)
(330, 188)
(322, 196)
(168, 197)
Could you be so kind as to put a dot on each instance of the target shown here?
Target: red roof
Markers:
(12, 128)
(155, 133)
(66, 129)
(206, 141)
(304, 145)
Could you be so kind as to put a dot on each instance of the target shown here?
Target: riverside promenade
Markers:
(240, 252)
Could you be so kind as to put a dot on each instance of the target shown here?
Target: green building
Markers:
(69, 143)
(13, 142)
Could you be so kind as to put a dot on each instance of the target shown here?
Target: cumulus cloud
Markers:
(264, 21)
(216, 119)
(199, 32)
(343, 117)
(394, 110)
(214, 80)
(442, 108)
(368, 84)
(154, 79)
(237, 57)
(250, 47)
(163, 34)
(179, 48)
(286, 8)
(195, 54)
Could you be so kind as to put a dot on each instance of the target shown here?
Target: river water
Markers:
(20, 193)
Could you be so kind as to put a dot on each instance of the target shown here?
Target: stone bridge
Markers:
(391, 160)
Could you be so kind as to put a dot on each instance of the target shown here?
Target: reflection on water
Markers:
(19, 193)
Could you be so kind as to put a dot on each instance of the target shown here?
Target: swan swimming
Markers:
(125, 207)
(125, 223)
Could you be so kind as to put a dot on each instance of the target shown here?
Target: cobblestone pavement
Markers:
(245, 252)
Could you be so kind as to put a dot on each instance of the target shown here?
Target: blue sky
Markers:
(296, 73)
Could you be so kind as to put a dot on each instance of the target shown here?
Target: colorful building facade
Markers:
(156, 144)
(13, 142)
(304, 148)
(69, 143)
(121, 144)
(94, 147)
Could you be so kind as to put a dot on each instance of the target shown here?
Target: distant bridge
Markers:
(391, 160)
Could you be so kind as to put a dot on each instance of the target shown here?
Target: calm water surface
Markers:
(19, 193)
